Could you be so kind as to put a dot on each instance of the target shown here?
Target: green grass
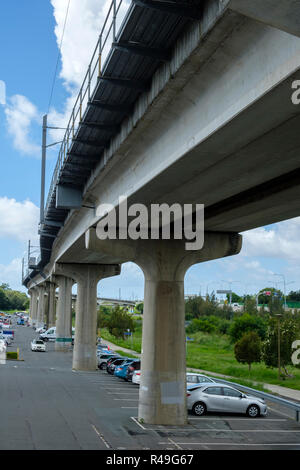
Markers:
(214, 353)
(125, 354)
(133, 344)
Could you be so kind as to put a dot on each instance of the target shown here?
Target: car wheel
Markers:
(199, 408)
(102, 366)
(253, 411)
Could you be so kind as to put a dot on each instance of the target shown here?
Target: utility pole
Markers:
(43, 169)
(278, 315)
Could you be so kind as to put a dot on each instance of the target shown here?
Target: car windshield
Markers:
(39, 342)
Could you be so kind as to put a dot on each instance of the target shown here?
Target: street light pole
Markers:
(284, 287)
(278, 345)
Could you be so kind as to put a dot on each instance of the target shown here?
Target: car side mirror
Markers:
(243, 395)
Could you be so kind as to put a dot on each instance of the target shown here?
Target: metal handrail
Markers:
(85, 90)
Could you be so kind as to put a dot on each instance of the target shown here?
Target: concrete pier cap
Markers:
(87, 277)
(162, 396)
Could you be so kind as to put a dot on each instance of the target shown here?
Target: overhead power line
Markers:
(58, 55)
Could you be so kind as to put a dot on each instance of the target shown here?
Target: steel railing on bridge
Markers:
(106, 38)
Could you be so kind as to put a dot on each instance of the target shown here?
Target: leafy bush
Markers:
(248, 349)
(11, 355)
(289, 332)
(118, 322)
(206, 324)
(246, 323)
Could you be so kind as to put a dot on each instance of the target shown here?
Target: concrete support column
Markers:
(51, 317)
(33, 305)
(87, 277)
(41, 305)
(162, 396)
(64, 314)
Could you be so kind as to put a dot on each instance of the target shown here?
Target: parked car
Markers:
(50, 334)
(41, 329)
(135, 365)
(21, 321)
(121, 369)
(101, 349)
(136, 377)
(103, 358)
(194, 378)
(38, 345)
(111, 364)
(7, 339)
(221, 398)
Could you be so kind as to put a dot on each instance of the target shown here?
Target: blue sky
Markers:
(29, 33)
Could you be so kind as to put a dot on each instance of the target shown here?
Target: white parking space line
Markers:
(237, 419)
(125, 399)
(130, 407)
(174, 443)
(139, 424)
(231, 444)
(248, 430)
(121, 389)
(101, 437)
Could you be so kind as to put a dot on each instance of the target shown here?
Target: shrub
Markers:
(248, 349)
(11, 355)
(246, 323)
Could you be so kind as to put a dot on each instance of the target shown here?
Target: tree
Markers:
(12, 300)
(250, 306)
(246, 323)
(267, 299)
(293, 296)
(119, 321)
(103, 316)
(4, 302)
(289, 332)
(139, 308)
(248, 349)
(235, 299)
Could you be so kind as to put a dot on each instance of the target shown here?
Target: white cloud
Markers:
(280, 241)
(20, 115)
(19, 220)
(11, 274)
(84, 23)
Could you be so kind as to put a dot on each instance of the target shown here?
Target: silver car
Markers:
(197, 379)
(223, 398)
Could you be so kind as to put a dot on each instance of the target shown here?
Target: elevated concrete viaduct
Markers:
(210, 121)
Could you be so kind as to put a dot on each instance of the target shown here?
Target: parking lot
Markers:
(49, 406)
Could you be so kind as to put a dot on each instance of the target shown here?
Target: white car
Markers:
(50, 334)
(136, 377)
(6, 339)
(197, 379)
(38, 345)
(41, 329)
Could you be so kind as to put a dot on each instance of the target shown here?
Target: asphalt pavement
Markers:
(47, 406)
